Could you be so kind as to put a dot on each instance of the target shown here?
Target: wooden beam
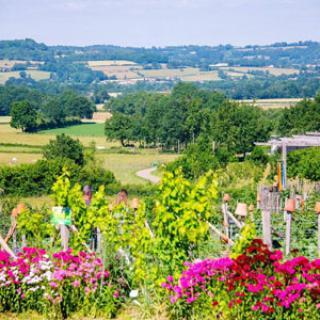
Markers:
(6, 247)
(219, 233)
(236, 221)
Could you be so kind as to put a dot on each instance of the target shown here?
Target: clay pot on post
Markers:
(317, 207)
(226, 198)
(241, 209)
(290, 205)
(135, 204)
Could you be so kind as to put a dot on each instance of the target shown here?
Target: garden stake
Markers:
(266, 216)
(226, 198)
(289, 209)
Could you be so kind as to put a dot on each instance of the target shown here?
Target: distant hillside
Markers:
(279, 54)
(280, 70)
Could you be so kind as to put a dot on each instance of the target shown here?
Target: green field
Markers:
(34, 74)
(126, 70)
(12, 136)
(125, 166)
(26, 148)
(185, 74)
(273, 103)
(81, 130)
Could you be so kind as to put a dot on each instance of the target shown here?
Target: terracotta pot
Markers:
(258, 197)
(241, 209)
(290, 205)
(226, 197)
(317, 207)
(135, 203)
(21, 207)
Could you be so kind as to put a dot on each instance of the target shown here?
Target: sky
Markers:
(160, 22)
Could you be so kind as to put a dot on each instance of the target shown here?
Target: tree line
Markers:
(175, 120)
(32, 110)
(208, 128)
(278, 54)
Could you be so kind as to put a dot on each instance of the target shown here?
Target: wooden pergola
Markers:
(287, 144)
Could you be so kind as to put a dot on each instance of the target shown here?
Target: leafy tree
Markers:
(76, 106)
(53, 112)
(238, 126)
(23, 116)
(305, 116)
(119, 127)
(64, 147)
(305, 163)
(200, 157)
(259, 155)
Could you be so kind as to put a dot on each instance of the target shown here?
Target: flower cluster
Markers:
(257, 283)
(34, 279)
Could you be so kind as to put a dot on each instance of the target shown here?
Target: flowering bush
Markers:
(62, 284)
(256, 284)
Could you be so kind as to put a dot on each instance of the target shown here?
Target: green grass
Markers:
(124, 163)
(125, 166)
(16, 137)
(34, 74)
(80, 130)
(21, 157)
(273, 103)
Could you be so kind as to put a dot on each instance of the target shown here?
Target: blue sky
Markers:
(160, 22)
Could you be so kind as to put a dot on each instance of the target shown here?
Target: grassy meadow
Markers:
(34, 74)
(17, 147)
(126, 70)
(273, 103)
(125, 166)
(273, 71)
(12, 136)
(81, 130)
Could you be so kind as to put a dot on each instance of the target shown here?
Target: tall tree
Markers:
(237, 126)
(120, 127)
(23, 116)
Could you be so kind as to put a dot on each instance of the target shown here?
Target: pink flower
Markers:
(76, 284)
(170, 279)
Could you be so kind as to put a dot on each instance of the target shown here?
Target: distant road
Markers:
(147, 175)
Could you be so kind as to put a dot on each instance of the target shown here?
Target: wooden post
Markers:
(284, 161)
(289, 209)
(99, 247)
(266, 216)
(225, 218)
(288, 231)
(24, 240)
(319, 235)
(64, 232)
